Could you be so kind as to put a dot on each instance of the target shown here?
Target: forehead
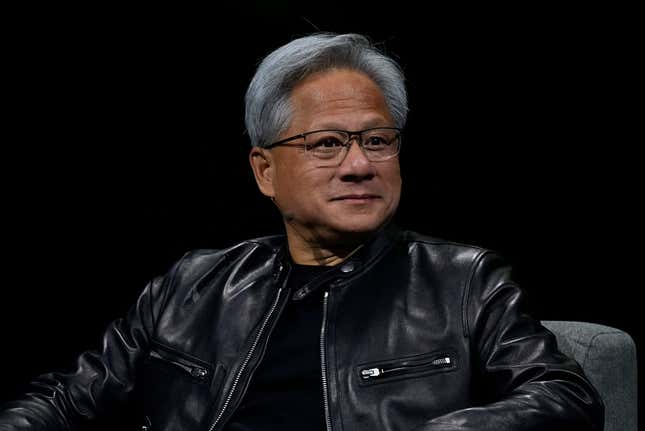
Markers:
(336, 97)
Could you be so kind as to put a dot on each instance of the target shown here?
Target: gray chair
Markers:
(608, 357)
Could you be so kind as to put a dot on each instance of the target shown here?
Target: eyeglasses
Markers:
(330, 146)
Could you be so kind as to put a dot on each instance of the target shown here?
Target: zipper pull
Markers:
(442, 361)
(371, 372)
(199, 372)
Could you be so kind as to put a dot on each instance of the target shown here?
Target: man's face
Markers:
(331, 203)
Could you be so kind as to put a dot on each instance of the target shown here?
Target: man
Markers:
(347, 322)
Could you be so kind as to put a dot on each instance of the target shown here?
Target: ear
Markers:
(263, 169)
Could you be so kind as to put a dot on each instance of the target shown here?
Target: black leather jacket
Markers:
(418, 334)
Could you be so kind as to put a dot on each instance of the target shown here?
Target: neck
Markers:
(306, 251)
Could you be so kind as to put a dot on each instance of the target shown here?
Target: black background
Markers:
(124, 147)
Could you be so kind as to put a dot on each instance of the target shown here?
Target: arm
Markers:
(523, 381)
(102, 381)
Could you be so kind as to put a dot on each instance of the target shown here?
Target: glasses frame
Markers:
(357, 133)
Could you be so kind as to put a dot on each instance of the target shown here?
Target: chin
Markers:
(357, 226)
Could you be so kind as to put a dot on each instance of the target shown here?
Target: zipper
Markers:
(195, 371)
(406, 367)
(148, 425)
(266, 320)
(323, 361)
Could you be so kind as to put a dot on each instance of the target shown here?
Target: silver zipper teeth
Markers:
(246, 360)
(369, 373)
(323, 362)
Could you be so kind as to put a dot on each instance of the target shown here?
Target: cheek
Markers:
(392, 178)
(298, 187)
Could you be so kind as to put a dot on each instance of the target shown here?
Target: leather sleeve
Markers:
(102, 381)
(526, 382)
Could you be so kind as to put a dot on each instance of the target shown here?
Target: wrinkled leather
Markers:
(404, 299)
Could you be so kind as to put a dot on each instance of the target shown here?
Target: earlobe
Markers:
(262, 165)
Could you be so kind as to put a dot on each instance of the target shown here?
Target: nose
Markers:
(355, 166)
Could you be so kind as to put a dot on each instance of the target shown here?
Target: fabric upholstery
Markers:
(608, 357)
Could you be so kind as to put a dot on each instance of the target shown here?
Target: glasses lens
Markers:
(326, 145)
(381, 144)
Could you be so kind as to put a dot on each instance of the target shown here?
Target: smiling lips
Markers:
(356, 198)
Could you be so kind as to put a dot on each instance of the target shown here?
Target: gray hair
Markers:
(268, 108)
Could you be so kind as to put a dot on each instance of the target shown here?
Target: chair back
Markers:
(608, 357)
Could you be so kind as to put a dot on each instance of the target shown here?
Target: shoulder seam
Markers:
(442, 242)
(257, 241)
(169, 283)
(466, 290)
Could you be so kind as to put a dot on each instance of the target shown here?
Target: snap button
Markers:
(301, 293)
(148, 425)
(347, 267)
(276, 273)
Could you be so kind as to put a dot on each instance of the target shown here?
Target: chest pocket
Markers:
(406, 367)
(174, 363)
(177, 385)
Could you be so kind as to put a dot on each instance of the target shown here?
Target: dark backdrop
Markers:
(124, 146)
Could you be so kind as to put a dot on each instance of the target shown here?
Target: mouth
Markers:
(356, 198)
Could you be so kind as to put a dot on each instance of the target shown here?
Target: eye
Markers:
(327, 142)
(375, 142)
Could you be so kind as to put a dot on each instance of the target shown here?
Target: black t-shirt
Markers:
(286, 392)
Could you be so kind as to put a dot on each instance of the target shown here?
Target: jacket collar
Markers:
(373, 249)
